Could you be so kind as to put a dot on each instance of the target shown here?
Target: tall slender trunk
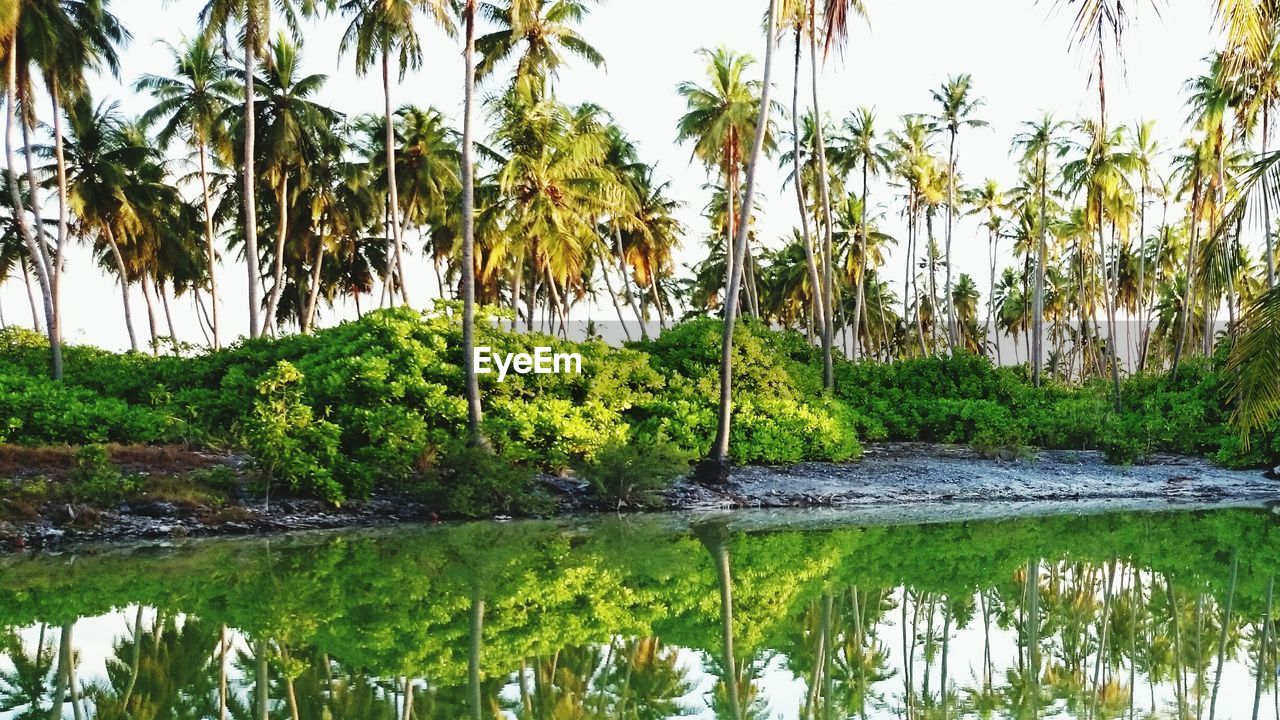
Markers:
(657, 301)
(1266, 205)
(1108, 304)
(222, 673)
(211, 254)
(824, 187)
(815, 283)
(60, 164)
(1187, 305)
(731, 211)
(1142, 264)
(168, 317)
(1262, 670)
(860, 291)
(626, 281)
(1037, 351)
(477, 638)
(124, 287)
(474, 414)
(31, 298)
(717, 468)
(34, 240)
(1222, 634)
(250, 173)
(151, 314)
(313, 294)
(993, 324)
(613, 296)
(261, 682)
(277, 273)
(397, 229)
(951, 201)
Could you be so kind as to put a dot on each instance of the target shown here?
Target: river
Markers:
(787, 614)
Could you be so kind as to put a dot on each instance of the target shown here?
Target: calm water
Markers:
(1102, 616)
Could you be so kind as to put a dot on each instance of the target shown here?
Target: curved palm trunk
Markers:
(250, 175)
(31, 298)
(613, 296)
(1222, 635)
(211, 254)
(124, 288)
(1187, 303)
(815, 283)
(397, 230)
(313, 295)
(626, 282)
(168, 317)
(36, 248)
(1262, 649)
(474, 414)
(60, 164)
(277, 272)
(151, 315)
(1266, 206)
(716, 467)
(824, 187)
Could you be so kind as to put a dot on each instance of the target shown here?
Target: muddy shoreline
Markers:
(892, 481)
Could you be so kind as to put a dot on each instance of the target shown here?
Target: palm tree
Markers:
(192, 101)
(858, 150)
(1035, 142)
(716, 466)
(294, 130)
(253, 17)
(378, 30)
(474, 413)
(541, 33)
(720, 119)
(957, 106)
(989, 200)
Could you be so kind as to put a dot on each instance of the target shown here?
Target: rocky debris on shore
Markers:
(901, 475)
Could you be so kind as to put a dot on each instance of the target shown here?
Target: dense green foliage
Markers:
(378, 402)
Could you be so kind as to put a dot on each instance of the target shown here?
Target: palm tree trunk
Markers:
(277, 273)
(824, 187)
(168, 318)
(1266, 205)
(31, 298)
(716, 466)
(261, 682)
(473, 661)
(222, 673)
(36, 248)
(1222, 634)
(397, 230)
(474, 414)
(313, 295)
(621, 254)
(151, 315)
(211, 255)
(657, 301)
(1037, 350)
(124, 287)
(517, 285)
(811, 263)
(613, 296)
(951, 201)
(1108, 301)
(860, 292)
(60, 162)
(250, 174)
(1187, 304)
(1262, 671)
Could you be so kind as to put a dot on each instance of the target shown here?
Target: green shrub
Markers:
(287, 442)
(97, 481)
(475, 482)
(634, 473)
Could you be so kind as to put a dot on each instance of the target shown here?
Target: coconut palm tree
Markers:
(716, 466)
(1035, 142)
(540, 34)
(720, 121)
(190, 104)
(858, 150)
(294, 129)
(379, 30)
(957, 106)
(252, 19)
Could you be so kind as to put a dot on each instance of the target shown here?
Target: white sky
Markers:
(1016, 50)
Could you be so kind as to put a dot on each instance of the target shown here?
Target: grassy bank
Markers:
(379, 403)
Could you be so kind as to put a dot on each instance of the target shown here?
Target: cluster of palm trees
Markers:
(237, 157)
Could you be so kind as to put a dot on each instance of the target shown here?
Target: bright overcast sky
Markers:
(1016, 50)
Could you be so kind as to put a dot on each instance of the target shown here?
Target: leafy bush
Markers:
(95, 480)
(287, 442)
(633, 473)
(473, 482)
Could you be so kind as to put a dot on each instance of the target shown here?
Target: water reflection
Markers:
(1117, 616)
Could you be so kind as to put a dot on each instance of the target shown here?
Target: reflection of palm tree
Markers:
(27, 684)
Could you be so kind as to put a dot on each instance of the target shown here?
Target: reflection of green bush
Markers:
(399, 601)
(379, 401)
